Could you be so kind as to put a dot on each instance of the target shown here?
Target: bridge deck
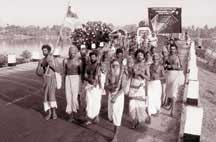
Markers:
(21, 117)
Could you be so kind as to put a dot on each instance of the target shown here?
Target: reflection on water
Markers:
(33, 45)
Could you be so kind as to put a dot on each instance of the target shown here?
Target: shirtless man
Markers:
(137, 93)
(154, 86)
(174, 77)
(93, 89)
(115, 87)
(72, 70)
(47, 65)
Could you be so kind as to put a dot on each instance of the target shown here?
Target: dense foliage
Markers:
(91, 32)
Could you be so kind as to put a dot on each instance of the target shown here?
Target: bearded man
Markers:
(93, 89)
(115, 86)
(46, 68)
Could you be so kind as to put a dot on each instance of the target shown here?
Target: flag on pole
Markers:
(70, 13)
(72, 20)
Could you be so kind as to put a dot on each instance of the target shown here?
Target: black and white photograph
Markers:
(107, 71)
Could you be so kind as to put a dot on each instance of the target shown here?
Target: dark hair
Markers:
(152, 47)
(93, 53)
(139, 51)
(131, 50)
(46, 46)
(119, 50)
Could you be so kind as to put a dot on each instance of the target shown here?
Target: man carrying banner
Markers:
(115, 86)
(46, 68)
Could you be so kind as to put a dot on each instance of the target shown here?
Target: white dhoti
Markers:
(137, 108)
(174, 79)
(72, 85)
(154, 96)
(93, 100)
(115, 110)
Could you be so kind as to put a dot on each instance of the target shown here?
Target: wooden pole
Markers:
(61, 28)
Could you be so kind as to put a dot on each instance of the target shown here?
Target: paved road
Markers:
(21, 117)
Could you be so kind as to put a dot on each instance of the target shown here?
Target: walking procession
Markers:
(91, 74)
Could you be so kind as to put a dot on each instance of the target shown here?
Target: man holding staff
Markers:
(46, 68)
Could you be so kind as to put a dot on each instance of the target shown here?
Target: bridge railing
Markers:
(192, 112)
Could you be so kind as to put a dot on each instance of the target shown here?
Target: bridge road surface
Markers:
(21, 115)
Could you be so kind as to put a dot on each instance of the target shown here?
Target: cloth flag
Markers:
(70, 13)
(72, 20)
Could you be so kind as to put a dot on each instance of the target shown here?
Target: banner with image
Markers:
(165, 19)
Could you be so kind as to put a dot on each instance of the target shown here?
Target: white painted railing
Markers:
(192, 112)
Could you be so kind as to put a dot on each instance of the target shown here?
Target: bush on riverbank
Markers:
(3, 60)
(26, 55)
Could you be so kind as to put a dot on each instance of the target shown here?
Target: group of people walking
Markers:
(149, 79)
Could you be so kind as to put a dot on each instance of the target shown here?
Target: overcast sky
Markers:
(118, 12)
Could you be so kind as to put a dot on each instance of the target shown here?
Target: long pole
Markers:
(61, 28)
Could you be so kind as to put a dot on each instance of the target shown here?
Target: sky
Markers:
(118, 12)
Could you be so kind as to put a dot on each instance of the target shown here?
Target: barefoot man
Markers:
(93, 90)
(154, 85)
(137, 95)
(115, 86)
(46, 69)
(72, 70)
(175, 77)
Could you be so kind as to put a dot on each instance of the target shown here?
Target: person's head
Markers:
(105, 55)
(115, 67)
(103, 67)
(72, 51)
(153, 34)
(165, 52)
(119, 53)
(156, 58)
(130, 62)
(173, 50)
(172, 41)
(83, 50)
(153, 50)
(131, 52)
(93, 56)
(140, 55)
(147, 55)
(46, 49)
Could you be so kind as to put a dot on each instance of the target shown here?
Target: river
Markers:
(17, 46)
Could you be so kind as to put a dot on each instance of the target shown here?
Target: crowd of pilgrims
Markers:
(150, 79)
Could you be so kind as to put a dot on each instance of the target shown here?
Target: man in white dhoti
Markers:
(93, 90)
(174, 77)
(154, 86)
(137, 93)
(72, 70)
(115, 86)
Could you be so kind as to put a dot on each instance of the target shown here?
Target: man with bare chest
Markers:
(154, 86)
(72, 71)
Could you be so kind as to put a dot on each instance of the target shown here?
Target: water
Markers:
(17, 46)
